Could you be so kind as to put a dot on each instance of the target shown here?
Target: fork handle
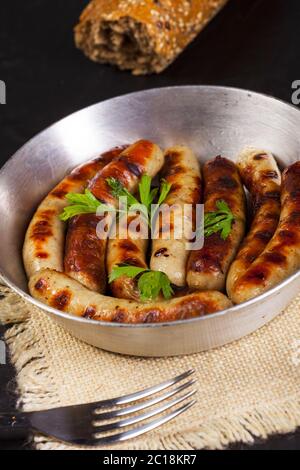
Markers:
(14, 425)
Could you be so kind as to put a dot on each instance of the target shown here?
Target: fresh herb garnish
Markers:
(85, 203)
(219, 221)
(132, 204)
(124, 270)
(118, 190)
(150, 283)
(88, 203)
(146, 195)
(164, 191)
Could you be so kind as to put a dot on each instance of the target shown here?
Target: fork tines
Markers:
(166, 411)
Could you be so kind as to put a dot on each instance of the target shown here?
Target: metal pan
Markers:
(212, 121)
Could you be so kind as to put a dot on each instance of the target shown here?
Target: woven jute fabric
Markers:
(246, 390)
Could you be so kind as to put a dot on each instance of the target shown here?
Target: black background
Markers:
(252, 44)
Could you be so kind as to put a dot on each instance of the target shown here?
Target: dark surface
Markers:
(252, 44)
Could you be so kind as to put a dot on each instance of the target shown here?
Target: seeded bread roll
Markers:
(144, 36)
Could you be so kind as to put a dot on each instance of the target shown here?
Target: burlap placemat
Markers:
(248, 389)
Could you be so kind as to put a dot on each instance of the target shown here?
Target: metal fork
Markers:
(83, 424)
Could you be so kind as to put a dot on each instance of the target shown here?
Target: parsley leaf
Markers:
(219, 221)
(125, 270)
(147, 195)
(150, 283)
(85, 203)
(118, 190)
(164, 191)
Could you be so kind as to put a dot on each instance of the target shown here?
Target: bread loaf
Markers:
(144, 36)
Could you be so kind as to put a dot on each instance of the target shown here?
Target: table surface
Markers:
(251, 44)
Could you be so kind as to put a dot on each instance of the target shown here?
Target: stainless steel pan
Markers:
(212, 121)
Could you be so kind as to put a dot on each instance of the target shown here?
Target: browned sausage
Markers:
(83, 250)
(44, 241)
(85, 260)
(61, 292)
(281, 257)
(262, 178)
(181, 169)
(130, 250)
(207, 268)
(170, 254)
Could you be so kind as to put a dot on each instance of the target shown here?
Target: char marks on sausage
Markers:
(262, 178)
(68, 295)
(281, 256)
(85, 251)
(208, 266)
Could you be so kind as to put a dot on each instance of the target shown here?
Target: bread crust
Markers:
(142, 36)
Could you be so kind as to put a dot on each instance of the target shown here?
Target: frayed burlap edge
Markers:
(34, 384)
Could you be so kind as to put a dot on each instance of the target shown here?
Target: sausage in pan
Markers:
(207, 268)
(61, 292)
(80, 234)
(181, 169)
(44, 241)
(281, 257)
(130, 249)
(262, 178)
(85, 251)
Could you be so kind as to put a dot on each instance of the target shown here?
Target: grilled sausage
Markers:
(61, 292)
(44, 240)
(281, 257)
(127, 248)
(81, 233)
(207, 268)
(262, 178)
(85, 251)
(181, 169)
